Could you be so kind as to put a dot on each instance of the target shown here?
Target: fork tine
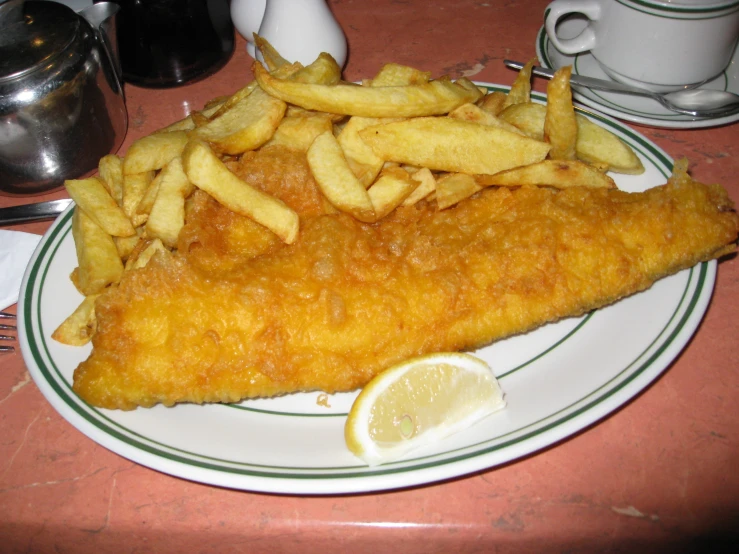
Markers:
(4, 327)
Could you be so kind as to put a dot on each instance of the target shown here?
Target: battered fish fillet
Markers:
(348, 299)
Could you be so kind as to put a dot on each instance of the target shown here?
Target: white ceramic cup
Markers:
(657, 44)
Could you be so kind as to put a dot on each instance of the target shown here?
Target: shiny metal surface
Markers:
(33, 212)
(62, 105)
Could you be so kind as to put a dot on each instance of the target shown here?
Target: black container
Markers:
(168, 43)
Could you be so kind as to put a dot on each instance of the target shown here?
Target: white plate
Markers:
(558, 380)
(637, 109)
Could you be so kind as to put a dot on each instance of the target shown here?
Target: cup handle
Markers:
(560, 8)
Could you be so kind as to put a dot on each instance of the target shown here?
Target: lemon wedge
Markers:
(418, 402)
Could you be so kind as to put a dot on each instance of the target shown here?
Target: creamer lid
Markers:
(33, 32)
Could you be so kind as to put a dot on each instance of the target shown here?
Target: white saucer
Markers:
(637, 109)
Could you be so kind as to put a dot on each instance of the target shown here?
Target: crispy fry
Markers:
(426, 185)
(560, 126)
(493, 102)
(554, 173)
(362, 160)
(110, 169)
(199, 119)
(595, 144)
(145, 253)
(207, 172)
(135, 186)
(271, 56)
(455, 187)
(187, 124)
(78, 328)
(391, 188)
(447, 144)
(521, 88)
(147, 201)
(433, 98)
(471, 112)
(600, 147)
(91, 196)
(336, 180)
(395, 75)
(153, 151)
(126, 245)
(98, 263)
(167, 216)
(323, 71)
(247, 125)
(299, 131)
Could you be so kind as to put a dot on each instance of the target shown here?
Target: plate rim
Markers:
(416, 471)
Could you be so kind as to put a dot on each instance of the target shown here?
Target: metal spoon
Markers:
(697, 103)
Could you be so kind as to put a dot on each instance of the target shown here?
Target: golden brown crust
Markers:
(349, 298)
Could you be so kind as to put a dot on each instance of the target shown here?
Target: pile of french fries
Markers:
(394, 140)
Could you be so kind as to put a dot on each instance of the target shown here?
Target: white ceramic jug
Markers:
(298, 29)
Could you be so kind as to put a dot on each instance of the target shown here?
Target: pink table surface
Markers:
(661, 474)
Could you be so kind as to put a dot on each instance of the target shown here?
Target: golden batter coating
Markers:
(348, 299)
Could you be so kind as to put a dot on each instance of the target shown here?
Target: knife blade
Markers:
(33, 212)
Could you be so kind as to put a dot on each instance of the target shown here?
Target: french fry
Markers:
(126, 245)
(493, 102)
(187, 124)
(167, 216)
(298, 132)
(465, 83)
(447, 144)
(207, 172)
(471, 112)
(426, 185)
(246, 126)
(364, 163)
(242, 93)
(560, 125)
(362, 160)
(452, 188)
(336, 179)
(521, 88)
(554, 173)
(110, 170)
(324, 70)
(91, 196)
(135, 186)
(600, 147)
(271, 56)
(432, 98)
(199, 119)
(389, 190)
(142, 256)
(395, 75)
(595, 144)
(98, 263)
(147, 201)
(153, 151)
(78, 328)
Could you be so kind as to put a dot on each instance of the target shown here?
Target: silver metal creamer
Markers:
(62, 105)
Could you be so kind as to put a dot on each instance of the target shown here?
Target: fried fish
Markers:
(349, 299)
